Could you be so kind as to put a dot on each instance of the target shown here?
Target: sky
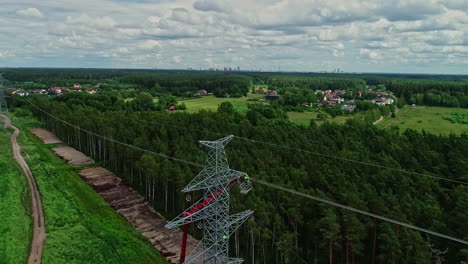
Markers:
(400, 36)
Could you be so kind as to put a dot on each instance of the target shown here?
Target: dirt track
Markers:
(73, 156)
(46, 136)
(39, 234)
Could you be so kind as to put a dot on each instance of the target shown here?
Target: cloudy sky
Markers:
(418, 36)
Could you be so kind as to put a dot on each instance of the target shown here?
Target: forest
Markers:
(286, 228)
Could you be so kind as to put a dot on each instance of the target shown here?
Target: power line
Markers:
(273, 186)
(308, 196)
(119, 142)
(351, 160)
(321, 154)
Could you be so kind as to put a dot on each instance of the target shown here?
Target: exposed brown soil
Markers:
(73, 156)
(46, 136)
(39, 232)
(138, 212)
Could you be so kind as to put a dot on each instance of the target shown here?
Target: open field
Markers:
(211, 102)
(15, 207)
(303, 118)
(81, 226)
(430, 119)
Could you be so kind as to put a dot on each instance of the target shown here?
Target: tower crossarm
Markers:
(206, 252)
(202, 181)
(194, 213)
(236, 220)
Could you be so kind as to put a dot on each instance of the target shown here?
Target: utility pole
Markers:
(213, 209)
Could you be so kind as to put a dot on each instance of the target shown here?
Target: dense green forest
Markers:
(285, 226)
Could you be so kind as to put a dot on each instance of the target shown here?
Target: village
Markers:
(55, 90)
(331, 98)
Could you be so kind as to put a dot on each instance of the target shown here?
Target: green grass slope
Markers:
(15, 207)
(81, 226)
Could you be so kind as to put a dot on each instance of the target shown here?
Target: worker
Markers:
(225, 238)
(247, 179)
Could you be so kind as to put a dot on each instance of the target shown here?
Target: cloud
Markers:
(355, 35)
(30, 12)
(210, 5)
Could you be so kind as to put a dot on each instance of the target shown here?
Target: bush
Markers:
(19, 112)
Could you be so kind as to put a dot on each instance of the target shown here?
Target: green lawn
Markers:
(15, 207)
(303, 118)
(211, 102)
(81, 226)
(430, 119)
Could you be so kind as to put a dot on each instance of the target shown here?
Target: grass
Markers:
(211, 102)
(429, 119)
(303, 118)
(15, 207)
(81, 226)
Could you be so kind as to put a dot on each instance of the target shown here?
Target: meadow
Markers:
(81, 226)
(15, 207)
(303, 118)
(210, 102)
(427, 118)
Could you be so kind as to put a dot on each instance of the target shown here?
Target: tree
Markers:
(226, 107)
(143, 102)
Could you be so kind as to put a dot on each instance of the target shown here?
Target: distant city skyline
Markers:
(393, 36)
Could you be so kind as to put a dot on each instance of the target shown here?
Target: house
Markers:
(90, 91)
(328, 91)
(348, 107)
(76, 89)
(336, 99)
(11, 91)
(39, 91)
(55, 90)
(273, 97)
(319, 92)
(328, 96)
(340, 92)
(76, 85)
(172, 108)
(271, 92)
(359, 93)
(202, 92)
(261, 91)
(380, 94)
(22, 92)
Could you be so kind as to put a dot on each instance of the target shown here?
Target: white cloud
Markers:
(29, 12)
(296, 34)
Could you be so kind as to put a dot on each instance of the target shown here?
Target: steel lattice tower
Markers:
(213, 209)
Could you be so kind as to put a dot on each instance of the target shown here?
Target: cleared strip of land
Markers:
(39, 228)
(81, 226)
(15, 207)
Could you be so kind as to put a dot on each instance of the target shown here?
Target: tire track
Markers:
(39, 232)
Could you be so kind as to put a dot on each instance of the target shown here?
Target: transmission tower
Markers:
(212, 211)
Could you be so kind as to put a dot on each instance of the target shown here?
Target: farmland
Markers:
(427, 118)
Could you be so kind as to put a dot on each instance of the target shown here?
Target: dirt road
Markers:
(39, 234)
